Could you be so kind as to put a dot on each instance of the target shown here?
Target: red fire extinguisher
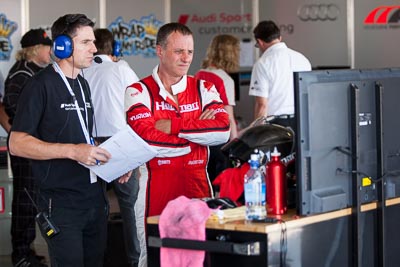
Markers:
(276, 185)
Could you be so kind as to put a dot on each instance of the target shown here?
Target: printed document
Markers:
(128, 151)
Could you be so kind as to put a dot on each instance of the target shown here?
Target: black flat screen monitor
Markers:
(335, 139)
(390, 133)
(241, 79)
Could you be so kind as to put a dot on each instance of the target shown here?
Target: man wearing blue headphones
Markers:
(53, 126)
(108, 78)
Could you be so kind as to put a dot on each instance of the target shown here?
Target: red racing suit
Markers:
(180, 167)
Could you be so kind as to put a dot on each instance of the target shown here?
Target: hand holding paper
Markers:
(128, 151)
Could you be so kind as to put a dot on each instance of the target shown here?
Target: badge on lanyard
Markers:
(93, 177)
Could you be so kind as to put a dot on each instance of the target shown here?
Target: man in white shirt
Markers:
(272, 75)
(108, 78)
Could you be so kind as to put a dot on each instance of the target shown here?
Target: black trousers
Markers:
(82, 238)
(23, 231)
(217, 162)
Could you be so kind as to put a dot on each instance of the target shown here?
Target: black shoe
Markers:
(40, 258)
(30, 262)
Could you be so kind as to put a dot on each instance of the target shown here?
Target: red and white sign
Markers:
(383, 15)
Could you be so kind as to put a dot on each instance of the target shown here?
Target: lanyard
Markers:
(83, 125)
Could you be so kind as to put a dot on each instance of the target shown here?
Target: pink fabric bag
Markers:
(186, 219)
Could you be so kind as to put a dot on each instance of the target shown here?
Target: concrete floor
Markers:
(39, 245)
(5, 261)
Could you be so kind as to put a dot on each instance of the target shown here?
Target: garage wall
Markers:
(330, 33)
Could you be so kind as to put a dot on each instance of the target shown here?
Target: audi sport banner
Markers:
(322, 30)
(318, 29)
(225, 17)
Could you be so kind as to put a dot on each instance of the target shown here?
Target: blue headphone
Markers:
(117, 48)
(63, 46)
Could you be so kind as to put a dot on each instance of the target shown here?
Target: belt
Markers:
(282, 117)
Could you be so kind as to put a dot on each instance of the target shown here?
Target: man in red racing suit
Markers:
(180, 117)
(180, 168)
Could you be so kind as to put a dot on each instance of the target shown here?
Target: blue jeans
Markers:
(127, 194)
(82, 238)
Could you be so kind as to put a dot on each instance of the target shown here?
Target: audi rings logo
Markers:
(318, 12)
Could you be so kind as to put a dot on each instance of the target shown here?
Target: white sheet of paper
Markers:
(128, 151)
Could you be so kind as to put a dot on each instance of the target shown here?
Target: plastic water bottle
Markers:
(276, 185)
(254, 190)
